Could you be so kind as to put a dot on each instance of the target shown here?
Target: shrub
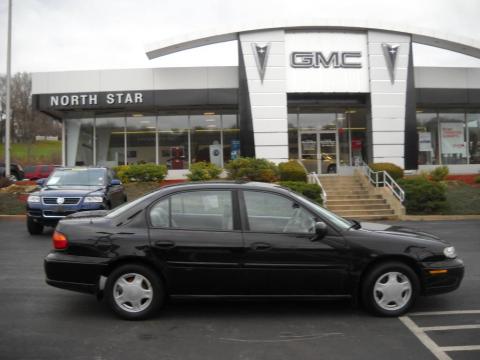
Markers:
(203, 171)
(477, 180)
(422, 195)
(292, 171)
(311, 191)
(393, 170)
(439, 173)
(252, 169)
(141, 172)
(4, 182)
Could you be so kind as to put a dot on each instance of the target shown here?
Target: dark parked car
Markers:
(16, 171)
(35, 172)
(69, 190)
(226, 239)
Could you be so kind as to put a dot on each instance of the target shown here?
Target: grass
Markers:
(462, 199)
(11, 205)
(39, 152)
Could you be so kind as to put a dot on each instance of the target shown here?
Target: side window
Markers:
(160, 214)
(196, 210)
(268, 212)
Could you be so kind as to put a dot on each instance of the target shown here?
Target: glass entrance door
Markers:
(319, 151)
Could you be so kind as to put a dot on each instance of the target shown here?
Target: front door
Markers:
(282, 253)
(319, 151)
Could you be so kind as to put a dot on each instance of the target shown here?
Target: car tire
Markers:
(134, 292)
(33, 227)
(390, 289)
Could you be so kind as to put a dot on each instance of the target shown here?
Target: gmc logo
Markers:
(315, 59)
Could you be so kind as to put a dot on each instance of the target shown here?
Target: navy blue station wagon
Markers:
(69, 190)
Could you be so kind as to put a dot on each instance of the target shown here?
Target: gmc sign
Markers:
(316, 59)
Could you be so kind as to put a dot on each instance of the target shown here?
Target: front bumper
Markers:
(50, 215)
(71, 272)
(442, 276)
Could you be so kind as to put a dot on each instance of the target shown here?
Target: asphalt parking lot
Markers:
(40, 322)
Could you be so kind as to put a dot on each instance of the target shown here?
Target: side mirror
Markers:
(320, 229)
(115, 182)
(41, 182)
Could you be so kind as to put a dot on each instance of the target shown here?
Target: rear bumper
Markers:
(77, 273)
(448, 276)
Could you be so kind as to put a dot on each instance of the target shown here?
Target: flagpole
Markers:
(8, 110)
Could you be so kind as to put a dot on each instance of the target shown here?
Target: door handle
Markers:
(261, 246)
(165, 244)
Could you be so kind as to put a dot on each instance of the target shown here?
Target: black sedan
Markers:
(226, 239)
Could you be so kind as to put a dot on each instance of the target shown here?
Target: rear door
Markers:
(196, 236)
(282, 253)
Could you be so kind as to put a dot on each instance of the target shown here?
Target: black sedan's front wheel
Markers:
(390, 289)
(134, 291)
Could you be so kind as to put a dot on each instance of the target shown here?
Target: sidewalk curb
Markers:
(438, 217)
(12, 217)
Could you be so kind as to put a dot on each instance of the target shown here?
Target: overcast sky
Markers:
(51, 35)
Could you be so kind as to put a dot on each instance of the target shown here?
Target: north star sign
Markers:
(335, 59)
(114, 98)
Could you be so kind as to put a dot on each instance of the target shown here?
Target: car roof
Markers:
(240, 184)
(81, 168)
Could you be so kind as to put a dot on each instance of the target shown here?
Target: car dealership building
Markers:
(332, 96)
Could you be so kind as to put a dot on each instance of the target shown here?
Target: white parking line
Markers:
(452, 327)
(461, 348)
(455, 312)
(425, 339)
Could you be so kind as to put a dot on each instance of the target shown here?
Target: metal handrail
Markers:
(385, 181)
(317, 181)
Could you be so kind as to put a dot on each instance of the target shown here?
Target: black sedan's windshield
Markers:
(77, 177)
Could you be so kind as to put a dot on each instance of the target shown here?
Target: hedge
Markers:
(311, 191)
(141, 172)
(252, 169)
(439, 173)
(292, 171)
(204, 171)
(423, 196)
(393, 170)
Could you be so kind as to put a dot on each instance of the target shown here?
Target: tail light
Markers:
(60, 241)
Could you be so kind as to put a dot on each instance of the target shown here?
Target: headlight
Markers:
(450, 252)
(93, 199)
(33, 199)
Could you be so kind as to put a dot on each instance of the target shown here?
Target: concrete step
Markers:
(357, 202)
(353, 213)
(354, 197)
(373, 217)
(344, 188)
(357, 207)
(342, 193)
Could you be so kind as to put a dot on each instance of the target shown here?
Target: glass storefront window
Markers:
(231, 137)
(110, 140)
(141, 142)
(473, 129)
(173, 140)
(317, 121)
(206, 143)
(79, 134)
(357, 120)
(427, 129)
(452, 138)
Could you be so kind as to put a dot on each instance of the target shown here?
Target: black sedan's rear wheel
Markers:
(33, 227)
(134, 292)
(390, 289)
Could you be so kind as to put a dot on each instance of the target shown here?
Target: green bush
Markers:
(423, 196)
(292, 171)
(203, 171)
(393, 170)
(252, 169)
(477, 180)
(141, 172)
(439, 173)
(311, 191)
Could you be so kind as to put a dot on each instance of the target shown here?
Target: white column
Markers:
(268, 99)
(388, 100)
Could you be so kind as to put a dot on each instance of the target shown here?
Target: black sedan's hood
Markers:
(398, 230)
(77, 191)
(88, 214)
